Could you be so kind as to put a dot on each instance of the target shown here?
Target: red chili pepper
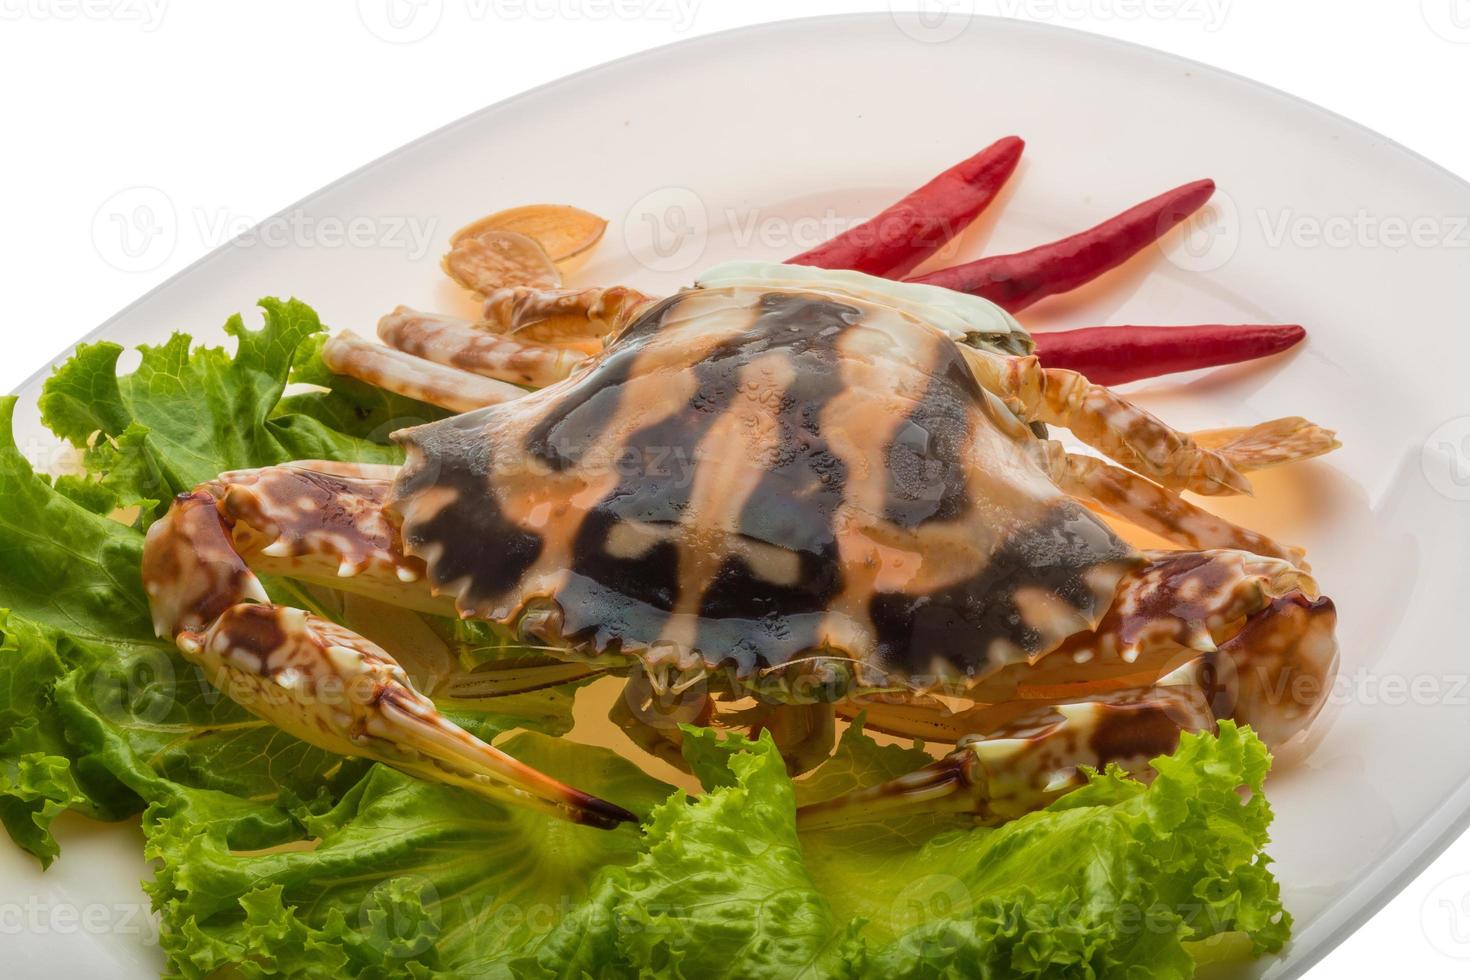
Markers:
(1114, 355)
(1016, 281)
(907, 233)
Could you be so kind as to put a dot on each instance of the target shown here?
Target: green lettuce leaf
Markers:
(856, 763)
(35, 788)
(347, 405)
(1114, 880)
(186, 414)
(60, 563)
(719, 889)
(89, 698)
(399, 875)
(1117, 880)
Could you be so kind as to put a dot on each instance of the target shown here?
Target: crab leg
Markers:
(1145, 504)
(1031, 759)
(317, 680)
(1273, 674)
(580, 317)
(1114, 426)
(413, 377)
(456, 343)
(1286, 440)
(462, 366)
(908, 714)
(1179, 607)
(501, 678)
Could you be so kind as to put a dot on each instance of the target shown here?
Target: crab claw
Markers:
(1031, 759)
(1275, 675)
(337, 690)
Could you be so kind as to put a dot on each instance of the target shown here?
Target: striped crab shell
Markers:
(764, 470)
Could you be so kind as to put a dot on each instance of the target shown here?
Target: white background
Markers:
(223, 114)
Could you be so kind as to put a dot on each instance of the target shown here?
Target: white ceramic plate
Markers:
(749, 141)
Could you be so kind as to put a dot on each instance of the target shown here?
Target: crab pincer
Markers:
(1187, 646)
(313, 678)
(1030, 759)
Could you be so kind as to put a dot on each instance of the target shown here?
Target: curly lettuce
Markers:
(276, 859)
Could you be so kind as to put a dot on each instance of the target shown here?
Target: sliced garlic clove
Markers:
(494, 258)
(562, 230)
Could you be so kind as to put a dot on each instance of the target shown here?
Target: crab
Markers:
(779, 500)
